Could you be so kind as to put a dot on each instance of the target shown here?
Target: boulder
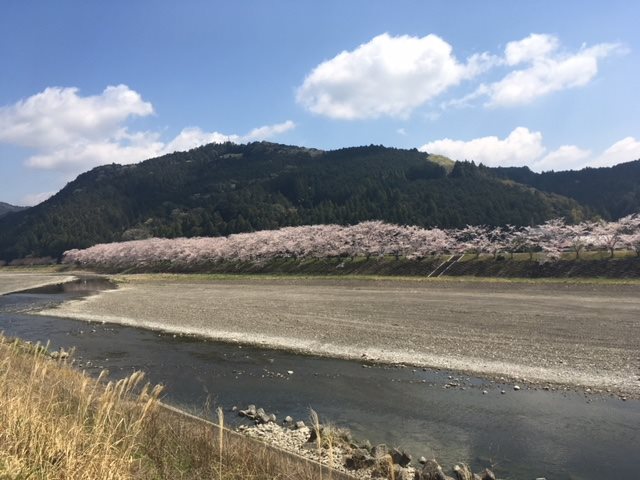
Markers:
(401, 458)
(300, 424)
(430, 471)
(379, 450)
(359, 459)
(487, 475)
(463, 472)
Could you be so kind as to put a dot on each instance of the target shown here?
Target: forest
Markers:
(224, 189)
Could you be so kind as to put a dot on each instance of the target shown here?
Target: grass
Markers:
(241, 277)
(58, 423)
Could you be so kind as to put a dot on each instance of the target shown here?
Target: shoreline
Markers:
(373, 350)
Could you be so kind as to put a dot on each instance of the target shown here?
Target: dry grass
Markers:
(57, 423)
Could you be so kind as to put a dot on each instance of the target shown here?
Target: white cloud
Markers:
(523, 147)
(35, 198)
(268, 131)
(71, 133)
(59, 116)
(387, 76)
(625, 150)
(565, 157)
(192, 137)
(518, 148)
(531, 48)
(545, 70)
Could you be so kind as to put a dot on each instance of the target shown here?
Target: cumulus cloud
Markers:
(387, 76)
(35, 198)
(60, 116)
(545, 69)
(624, 150)
(518, 148)
(523, 147)
(71, 133)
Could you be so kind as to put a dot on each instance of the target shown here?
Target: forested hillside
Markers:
(611, 192)
(6, 208)
(221, 189)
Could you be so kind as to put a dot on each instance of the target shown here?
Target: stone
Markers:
(487, 475)
(360, 458)
(290, 372)
(401, 458)
(430, 471)
(262, 417)
(272, 418)
(516, 387)
(379, 450)
(288, 420)
(422, 460)
(463, 472)
(300, 424)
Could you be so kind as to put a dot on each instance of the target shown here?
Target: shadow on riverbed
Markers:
(523, 434)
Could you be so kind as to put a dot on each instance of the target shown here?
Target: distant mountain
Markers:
(6, 208)
(611, 192)
(220, 189)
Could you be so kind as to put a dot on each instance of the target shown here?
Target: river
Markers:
(520, 434)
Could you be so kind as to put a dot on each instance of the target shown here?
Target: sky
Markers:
(547, 84)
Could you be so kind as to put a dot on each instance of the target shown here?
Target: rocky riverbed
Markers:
(581, 335)
(336, 447)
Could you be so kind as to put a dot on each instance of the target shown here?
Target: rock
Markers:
(272, 418)
(422, 460)
(487, 475)
(430, 471)
(315, 433)
(463, 472)
(401, 473)
(300, 424)
(484, 392)
(234, 409)
(262, 417)
(379, 450)
(252, 410)
(516, 387)
(290, 372)
(288, 420)
(401, 458)
(359, 459)
(502, 392)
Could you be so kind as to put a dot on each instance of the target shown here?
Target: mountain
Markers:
(611, 192)
(6, 208)
(220, 189)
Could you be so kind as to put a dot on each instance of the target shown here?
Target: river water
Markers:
(522, 435)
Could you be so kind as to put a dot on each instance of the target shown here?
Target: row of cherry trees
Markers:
(367, 239)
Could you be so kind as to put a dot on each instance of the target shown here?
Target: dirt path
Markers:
(571, 334)
(15, 281)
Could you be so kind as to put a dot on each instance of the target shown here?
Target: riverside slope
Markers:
(578, 335)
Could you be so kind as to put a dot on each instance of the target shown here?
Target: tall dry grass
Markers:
(58, 423)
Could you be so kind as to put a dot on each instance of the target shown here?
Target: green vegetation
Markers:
(610, 192)
(5, 208)
(220, 189)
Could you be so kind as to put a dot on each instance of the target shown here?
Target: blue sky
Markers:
(551, 85)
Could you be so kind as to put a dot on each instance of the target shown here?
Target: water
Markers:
(525, 434)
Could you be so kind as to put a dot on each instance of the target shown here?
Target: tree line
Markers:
(366, 239)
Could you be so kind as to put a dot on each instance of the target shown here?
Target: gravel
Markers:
(578, 335)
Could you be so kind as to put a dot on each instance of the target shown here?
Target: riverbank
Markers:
(14, 280)
(625, 265)
(579, 335)
(57, 423)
